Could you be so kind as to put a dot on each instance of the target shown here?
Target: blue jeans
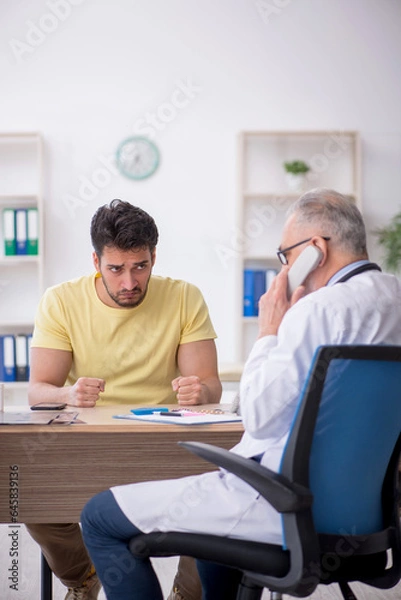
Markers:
(107, 532)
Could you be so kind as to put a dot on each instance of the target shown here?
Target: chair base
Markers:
(346, 591)
(248, 590)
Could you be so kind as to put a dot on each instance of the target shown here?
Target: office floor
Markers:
(26, 577)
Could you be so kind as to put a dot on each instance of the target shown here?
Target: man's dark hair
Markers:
(123, 226)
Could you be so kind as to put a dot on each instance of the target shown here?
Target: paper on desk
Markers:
(187, 419)
(45, 417)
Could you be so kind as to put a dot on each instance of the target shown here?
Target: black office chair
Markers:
(337, 488)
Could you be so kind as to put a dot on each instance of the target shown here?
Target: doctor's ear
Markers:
(322, 242)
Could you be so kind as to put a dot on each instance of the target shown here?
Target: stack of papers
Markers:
(45, 417)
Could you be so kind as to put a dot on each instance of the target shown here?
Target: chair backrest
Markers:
(350, 418)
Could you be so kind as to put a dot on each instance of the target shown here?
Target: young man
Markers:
(118, 336)
(344, 300)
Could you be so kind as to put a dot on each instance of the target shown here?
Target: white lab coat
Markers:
(364, 310)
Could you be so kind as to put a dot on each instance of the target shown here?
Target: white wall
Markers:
(105, 67)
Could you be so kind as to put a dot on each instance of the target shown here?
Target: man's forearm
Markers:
(211, 391)
(46, 392)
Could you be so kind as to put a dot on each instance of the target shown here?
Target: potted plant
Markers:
(296, 171)
(389, 238)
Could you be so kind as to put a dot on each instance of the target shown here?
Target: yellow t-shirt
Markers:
(133, 349)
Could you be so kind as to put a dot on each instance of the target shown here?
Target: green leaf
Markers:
(296, 167)
(390, 239)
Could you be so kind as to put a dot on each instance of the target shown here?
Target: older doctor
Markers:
(345, 300)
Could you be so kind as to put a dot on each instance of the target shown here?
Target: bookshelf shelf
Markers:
(19, 199)
(12, 326)
(269, 195)
(21, 212)
(9, 261)
(264, 197)
(17, 385)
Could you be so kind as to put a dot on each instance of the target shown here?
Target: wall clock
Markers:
(137, 157)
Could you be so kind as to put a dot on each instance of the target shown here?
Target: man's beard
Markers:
(133, 297)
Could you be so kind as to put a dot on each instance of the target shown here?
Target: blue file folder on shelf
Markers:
(249, 298)
(21, 230)
(259, 288)
(7, 358)
(256, 282)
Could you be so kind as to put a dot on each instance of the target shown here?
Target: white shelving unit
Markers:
(264, 195)
(21, 276)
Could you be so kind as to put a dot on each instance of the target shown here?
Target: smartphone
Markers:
(48, 406)
(306, 262)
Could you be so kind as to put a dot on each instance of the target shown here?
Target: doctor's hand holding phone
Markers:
(280, 297)
(304, 264)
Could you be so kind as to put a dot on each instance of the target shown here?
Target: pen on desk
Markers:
(170, 414)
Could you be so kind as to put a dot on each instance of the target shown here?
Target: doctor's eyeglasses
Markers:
(281, 253)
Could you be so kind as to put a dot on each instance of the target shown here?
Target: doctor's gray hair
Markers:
(335, 215)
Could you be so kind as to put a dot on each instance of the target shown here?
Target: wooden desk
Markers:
(59, 467)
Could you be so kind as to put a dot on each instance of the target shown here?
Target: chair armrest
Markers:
(284, 495)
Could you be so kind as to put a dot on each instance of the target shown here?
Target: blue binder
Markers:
(7, 358)
(259, 288)
(249, 298)
(21, 230)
